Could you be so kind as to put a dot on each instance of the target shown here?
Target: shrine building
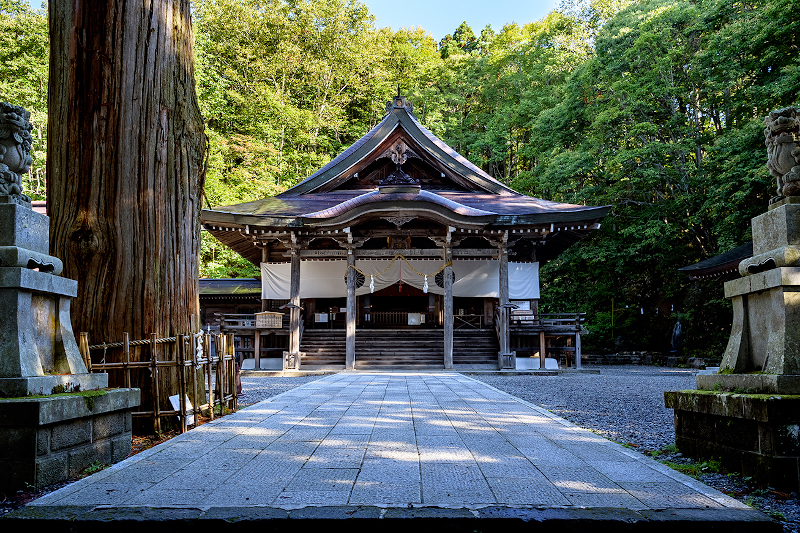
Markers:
(400, 253)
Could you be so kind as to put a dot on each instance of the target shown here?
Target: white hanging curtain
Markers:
(473, 278)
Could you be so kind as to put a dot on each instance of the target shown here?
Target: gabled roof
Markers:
(397, 167)
(399, 116)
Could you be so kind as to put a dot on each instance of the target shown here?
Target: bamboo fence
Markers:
(199, 371)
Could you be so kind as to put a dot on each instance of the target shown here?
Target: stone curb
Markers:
(370, 519)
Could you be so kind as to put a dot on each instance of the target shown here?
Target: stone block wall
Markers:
(757, 435)
(52, 439)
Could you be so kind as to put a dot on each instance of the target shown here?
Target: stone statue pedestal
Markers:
(763, 353)
(748, 415)
(38, 352)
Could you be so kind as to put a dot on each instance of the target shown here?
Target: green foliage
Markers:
(24, 52)
(93, 468)
(654, 108)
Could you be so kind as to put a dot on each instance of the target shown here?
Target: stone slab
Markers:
(35, 281)
(778, 227)
(53, 409)
(753, 383)
(43, 385)
(367, 519)
(777, 277)
(23, 227)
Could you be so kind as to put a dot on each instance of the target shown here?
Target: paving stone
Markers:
(148, 471)
(510, 467)
(237, 494)
(249, 441)
(159, 497)
(526, 491)
(615, 499)
(568, 479)
(341, 457)
(323, 479)
(104, 494)
(668, 494)
(342, 440)
(372, 493)
(619, 471)
(391, 439)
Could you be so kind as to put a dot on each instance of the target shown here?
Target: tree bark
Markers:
(125, 154)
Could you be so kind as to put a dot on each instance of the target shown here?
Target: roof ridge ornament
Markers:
(400, 102)
(399, 154)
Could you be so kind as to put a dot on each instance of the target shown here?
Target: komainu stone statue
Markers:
(783, 149)
(747, 415)
(15, 149)
(38, 352)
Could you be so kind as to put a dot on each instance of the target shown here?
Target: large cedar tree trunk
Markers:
(125, 165)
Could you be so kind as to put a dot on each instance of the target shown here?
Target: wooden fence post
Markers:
(83, 347)
(207, 353)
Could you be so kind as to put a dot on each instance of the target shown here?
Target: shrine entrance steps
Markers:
(401, 349)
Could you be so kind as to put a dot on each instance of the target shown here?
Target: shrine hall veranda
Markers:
(400, 252)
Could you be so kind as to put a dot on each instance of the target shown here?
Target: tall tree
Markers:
(125, 164)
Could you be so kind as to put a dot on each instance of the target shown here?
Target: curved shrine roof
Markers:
(428, 179)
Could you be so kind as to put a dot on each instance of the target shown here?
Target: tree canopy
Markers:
(654, 107)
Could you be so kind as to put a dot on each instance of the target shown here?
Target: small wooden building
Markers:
(399, 250)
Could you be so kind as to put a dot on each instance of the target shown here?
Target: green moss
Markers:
(699, 392)
(726, 370)
(88, 395)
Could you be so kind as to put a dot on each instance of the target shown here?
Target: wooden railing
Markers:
(528, 318)
(468, 321)
(196, 364)
(397, 318)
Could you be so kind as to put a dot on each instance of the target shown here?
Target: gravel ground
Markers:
(255, 389)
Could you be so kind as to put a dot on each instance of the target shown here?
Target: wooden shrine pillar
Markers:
(505, 358)
(264, 304)
(292, 359)
(578, 349)
(448, 302)
(350, 346)
(264, 259)
(542, 350)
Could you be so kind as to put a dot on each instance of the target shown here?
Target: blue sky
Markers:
(440, 17)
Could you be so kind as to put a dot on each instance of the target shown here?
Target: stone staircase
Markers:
(398, 349)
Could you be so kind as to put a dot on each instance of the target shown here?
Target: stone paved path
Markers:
(391, 439)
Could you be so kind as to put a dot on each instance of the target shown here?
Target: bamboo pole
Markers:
(126, 358)
(156, 389)
(193, 372)
(181, 384)
(210, 387)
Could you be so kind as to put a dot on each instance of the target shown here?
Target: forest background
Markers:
(655, 108)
